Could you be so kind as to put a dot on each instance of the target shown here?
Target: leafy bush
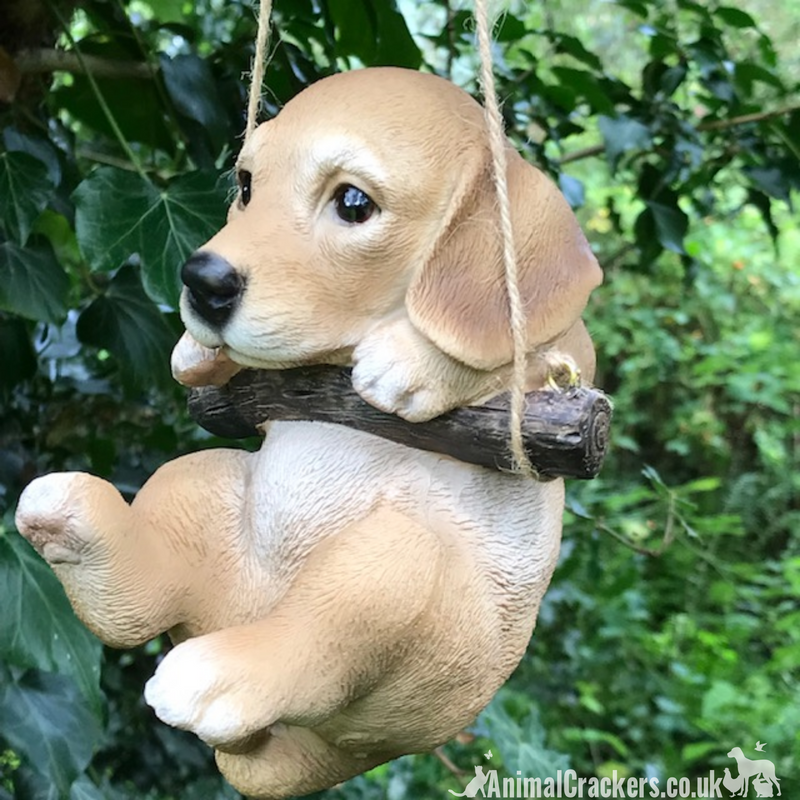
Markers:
(671, 631)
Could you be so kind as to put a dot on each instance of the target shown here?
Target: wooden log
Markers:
(565, 432)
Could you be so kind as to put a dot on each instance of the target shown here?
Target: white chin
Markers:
(206, 338)
(256, 362)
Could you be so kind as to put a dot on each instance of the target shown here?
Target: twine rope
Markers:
(259, 63)
(517, 317)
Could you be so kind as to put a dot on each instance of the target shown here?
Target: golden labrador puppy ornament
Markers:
(337, 600)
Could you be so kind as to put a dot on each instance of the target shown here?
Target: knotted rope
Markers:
(516, 307)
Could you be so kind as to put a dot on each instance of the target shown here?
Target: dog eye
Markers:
(353, 205)
(245, 179)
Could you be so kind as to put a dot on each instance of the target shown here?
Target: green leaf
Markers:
(396, 45)
(25, 189)
(36, 147)
(735, 17)
(84, 789)
(38, 627)
(193, 90)
(594, 735)
(646, 238)
(574, 47)
(771, 180)
(709, 484)
(622, 134)
(672, 79)
(585, 84)
(746, 74)
(356, 28)
(136, 104)
(636, 6)
(44, 718)
(32, 282)
(169, 10)
(663, 44)
(522, 744)
(119, 214)
(762, 202)
(19, 357)
(128, 324)
(671, 225)
(697, 8)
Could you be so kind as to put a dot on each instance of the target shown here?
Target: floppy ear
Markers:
(459, 299)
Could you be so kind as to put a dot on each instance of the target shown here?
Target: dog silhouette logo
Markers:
(761, 771)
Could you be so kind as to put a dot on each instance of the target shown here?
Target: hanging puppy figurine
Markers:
(337, 600)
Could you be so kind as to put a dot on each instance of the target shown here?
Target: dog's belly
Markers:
(311, 480)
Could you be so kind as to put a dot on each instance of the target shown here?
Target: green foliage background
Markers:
(672, 630)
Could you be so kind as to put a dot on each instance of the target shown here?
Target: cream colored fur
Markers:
(415, 297)
(337, 600)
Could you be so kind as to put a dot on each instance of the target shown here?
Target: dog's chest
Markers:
(310, 481)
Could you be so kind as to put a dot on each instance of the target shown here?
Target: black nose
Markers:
(214, 287)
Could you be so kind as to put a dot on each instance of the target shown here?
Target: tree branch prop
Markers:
(565, 433)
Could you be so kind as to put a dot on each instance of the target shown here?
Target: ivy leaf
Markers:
(509, 28)
(119, 214)
(19, 357)
(622, 134)
(128, 324)
(636, 6)
(646, 237)
(36, 147)
(32, 282)
(671, 225)
(762, 203)
(38, 627)
(522, 744)
(735, 17)
(771, 180)
(136, 102)
(356, 25)
(747, 73)
(586, 85)
(169, 10)
(672, 79)
(574, 47)
(193, 90)
(25, 189)
(44, 717)
(396, 45)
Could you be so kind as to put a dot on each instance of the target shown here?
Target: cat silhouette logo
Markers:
(478, 783)
(761, 771)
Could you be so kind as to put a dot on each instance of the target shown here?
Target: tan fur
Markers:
(338, 600)
(415, 297)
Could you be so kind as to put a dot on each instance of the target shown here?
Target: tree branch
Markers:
(711, 125)
(565, 433)
(34, 62)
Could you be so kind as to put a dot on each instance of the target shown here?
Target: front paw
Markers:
(400, 374)
(203, 690)
(394, 389)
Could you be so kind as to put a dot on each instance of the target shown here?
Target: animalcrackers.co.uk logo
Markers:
(757, 774)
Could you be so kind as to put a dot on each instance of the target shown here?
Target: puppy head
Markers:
(369, 195)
